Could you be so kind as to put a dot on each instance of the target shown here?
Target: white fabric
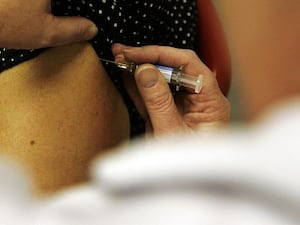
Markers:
(248, 176)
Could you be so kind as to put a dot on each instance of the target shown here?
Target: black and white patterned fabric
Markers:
(131, 22)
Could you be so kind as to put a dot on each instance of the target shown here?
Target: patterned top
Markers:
(131, 22)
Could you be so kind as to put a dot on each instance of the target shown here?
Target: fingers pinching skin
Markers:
(158, 100)
(64, 30)
(30, 24)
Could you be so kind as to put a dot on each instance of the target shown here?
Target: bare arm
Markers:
(57, 111)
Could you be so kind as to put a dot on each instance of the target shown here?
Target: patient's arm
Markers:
(57, 111)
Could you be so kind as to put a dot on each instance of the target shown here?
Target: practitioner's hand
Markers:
(30, 24)
(164, 112)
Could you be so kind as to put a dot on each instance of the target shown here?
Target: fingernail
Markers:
(147, 76)
(119, 58)
(91, 32)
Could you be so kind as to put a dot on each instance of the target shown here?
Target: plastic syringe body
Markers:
(171, 75)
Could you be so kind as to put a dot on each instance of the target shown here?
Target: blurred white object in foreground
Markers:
(17, 204)
(245, 177)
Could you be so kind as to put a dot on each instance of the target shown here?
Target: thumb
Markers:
(158, 99)
(65, 30)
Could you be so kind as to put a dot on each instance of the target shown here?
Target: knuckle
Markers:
(79, 29)
(48, 33)
(191, 53)
(47, 39)
(161, 103)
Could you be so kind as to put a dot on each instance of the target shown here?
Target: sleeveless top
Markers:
(131, 22)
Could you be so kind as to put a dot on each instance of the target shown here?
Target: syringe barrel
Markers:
(178, 78)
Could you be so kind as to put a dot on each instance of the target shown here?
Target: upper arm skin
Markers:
(57, 111)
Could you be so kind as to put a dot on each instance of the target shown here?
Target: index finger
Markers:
(165, 55)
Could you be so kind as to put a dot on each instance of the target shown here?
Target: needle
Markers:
(171, 75)
(107, 61)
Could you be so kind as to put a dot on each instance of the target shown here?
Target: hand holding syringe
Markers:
(172, 76)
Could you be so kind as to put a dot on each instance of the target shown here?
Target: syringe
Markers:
(171, 75)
